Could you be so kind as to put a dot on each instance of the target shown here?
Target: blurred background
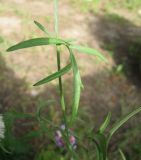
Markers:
(113, 27)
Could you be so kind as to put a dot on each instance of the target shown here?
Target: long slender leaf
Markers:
(5, 150)
(98, 151)
(101, 145)
(122, 154)
(54, 75)
(123, 120)
(88, 51)
(36, 42)
(77, 86)
(41, 27)
(105, 123)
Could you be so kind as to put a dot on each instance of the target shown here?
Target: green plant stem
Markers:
(62, 101)
(60, 81)
(63, 106)
(56, 26)
(59, 61)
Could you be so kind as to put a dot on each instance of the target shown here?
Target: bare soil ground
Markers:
(104, 89)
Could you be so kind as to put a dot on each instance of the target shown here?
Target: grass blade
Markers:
(36, 42)
(98, 151)
(54, 75)
(122, 154)
(5, 150)
(41, 27)
(101, 145)
(105, 123)
(88, 51)
(122, 121)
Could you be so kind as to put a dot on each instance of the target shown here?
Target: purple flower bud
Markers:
(72, 140)
(58, 139)
(60, 142)
(63, 127)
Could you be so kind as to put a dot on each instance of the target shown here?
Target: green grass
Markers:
(84, 6)
(128, 4)
(95, 5)
(115, 18)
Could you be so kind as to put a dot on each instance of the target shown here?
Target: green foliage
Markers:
(115, 18)
(56, 41)
(77, 86)
(122, 154)
(101, 140)
(36, 42)
(96, 5)
(105, 123)
(47, 128)
(47, 155)
(122, 121)
(129, 4)
(55, 75)
(12, 146)
(89, 51)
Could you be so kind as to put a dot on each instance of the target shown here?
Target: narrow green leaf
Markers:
(89, 51)
(123, 120)
(98, 151)
(41, 27)
(76, 86)
(54, 75)
(5, 150)
(36, 42)
(122, 154)
(101, 143)
(105, 123)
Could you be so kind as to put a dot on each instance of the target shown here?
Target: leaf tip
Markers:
(35, 84)
(9, 50)
(35, 21)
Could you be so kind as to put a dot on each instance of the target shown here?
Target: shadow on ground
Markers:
(102, 94)
(13, 90)
(122, 39)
